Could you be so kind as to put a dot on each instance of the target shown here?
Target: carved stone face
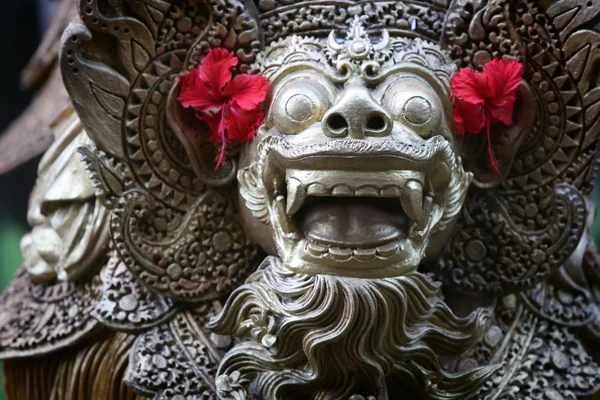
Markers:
(353, 175)
(355, 167)
(69, 226)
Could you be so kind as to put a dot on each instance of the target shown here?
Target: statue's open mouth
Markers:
(339, 214)
(352, 223)
(348, 219)
(354, 210)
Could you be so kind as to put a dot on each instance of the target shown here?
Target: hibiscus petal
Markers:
(193, 93)
(502, 111)
(471, 117)
(248, 91)
(196, 94)
(459, 123)
(215, 68)
(504, 77)
(242, 124)
(213, 121)
(470, 86)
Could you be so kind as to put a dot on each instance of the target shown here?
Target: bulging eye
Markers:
(417, 110)
(298, 104)
(414, 104)
(300, 107)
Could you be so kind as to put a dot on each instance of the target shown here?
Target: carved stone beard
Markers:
(330, 337)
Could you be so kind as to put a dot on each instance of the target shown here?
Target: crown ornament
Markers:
(357, 46)
(317, 18)
(356, 54)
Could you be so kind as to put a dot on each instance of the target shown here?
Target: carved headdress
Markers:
(182, 240)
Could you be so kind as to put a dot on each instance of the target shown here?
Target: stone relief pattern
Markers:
(398, 17)
(242, 35)
(126, 304)
(183, 256)
(476, 32)
(38, 319)
(157, 51)
(110, 177)
(537, 359)
(387, 53)
(155, 38)
(120, 65)
(569, 308)
(174, 361)
(539, 209)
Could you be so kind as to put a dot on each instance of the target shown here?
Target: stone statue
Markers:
(356, 248)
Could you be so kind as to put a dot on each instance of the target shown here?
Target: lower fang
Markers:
(287, 225)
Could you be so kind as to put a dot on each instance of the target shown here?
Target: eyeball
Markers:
(299, 103)
(414, 103)
(300, 107)
(417, 110)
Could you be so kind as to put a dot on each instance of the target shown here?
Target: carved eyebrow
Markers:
(322, 69)
(429, 77)
(392, 79)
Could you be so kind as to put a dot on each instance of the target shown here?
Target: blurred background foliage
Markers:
(21, 22)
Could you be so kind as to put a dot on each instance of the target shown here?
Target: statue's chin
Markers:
(340, 336)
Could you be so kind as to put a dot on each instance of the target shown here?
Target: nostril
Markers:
(337, 123)
(376, 123)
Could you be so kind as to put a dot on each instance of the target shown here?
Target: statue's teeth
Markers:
(296, 194)
(391, 191)
(287, 225)
(412, 200)
(387, 250)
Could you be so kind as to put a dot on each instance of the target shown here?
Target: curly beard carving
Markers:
(331, 337)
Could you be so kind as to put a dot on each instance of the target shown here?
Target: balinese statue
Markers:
(358, 245)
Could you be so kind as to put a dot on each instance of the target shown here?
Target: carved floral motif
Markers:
(41, 318)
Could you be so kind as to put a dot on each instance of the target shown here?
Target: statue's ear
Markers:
(506, 141)
(193, 134)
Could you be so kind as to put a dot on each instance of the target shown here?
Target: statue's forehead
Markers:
(374, 58)
(322, 74)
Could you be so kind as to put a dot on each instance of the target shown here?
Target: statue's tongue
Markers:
(352, 222)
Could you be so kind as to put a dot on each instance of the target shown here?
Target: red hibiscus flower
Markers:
(231, 108)
(483, 99)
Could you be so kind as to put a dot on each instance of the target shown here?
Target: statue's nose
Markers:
(356, 114)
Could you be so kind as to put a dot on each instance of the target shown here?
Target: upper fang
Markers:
(412, 200)
(296, 194)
